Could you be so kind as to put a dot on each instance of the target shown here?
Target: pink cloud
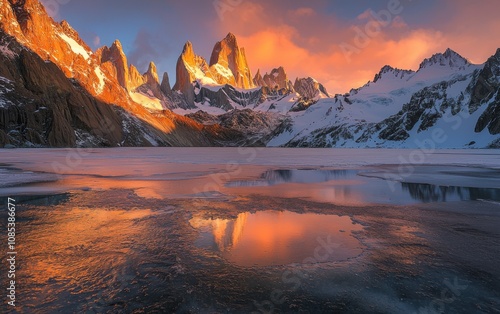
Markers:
(308, 42)
(97, 41)
(301, 12)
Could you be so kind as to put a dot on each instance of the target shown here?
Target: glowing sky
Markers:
(318, 38)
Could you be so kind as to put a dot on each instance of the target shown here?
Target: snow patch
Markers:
(199, 74)
(100, 76)
(146, 101)
(223, 71)
(6, 51)
(75, 46)
(6, 88)
(151, 140)
(201, 106)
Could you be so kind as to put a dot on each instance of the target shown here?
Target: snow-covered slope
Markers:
(403, 108)
(447, 101)
(391, 88)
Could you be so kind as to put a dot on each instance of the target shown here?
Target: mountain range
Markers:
(56, 92)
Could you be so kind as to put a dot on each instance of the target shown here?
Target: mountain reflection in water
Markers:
(348, 187)
(267, 238)
(433, 193)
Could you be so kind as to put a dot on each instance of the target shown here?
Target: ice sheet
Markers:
(204, 172)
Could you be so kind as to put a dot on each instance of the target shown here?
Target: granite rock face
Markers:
(41, 107)
(277, 79)
(228, 55)
(190, 67)
(310, 88)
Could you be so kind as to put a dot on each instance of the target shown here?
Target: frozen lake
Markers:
(340, 176)
(251, 229)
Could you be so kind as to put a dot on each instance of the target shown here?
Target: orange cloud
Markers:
(308, 42)
(472, 28)
(272, 48)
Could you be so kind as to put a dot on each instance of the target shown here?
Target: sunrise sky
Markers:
(318, 38)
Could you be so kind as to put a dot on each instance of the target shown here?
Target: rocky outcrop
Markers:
(228, 55)
(277, 79)
(152, 83)
(310, 88)
(229, 70)
(486, 90)
(203, 117)
(43, 108)
(257, 127)
(448, 59)
(227, 96)
(117, 59)
(136, 78)
(8, 22)
(165, 85)
(388, 71)
(258, 80)
(56, 42)
(190, 67)
(151, 75)
(228, 66)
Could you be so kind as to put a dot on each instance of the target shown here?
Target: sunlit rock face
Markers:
(191, 67)
(310, 88)
(227, 55)
(55, 91)
(277, 79)
(252, 239)
(228, 65)
(118, 61)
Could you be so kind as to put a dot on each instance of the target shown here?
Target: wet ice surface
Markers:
(14, 177)
(269, 238)
(343, 177)
(368, 186)
(188, 230)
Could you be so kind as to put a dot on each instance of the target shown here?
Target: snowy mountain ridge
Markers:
(74, 96)
(404, 108)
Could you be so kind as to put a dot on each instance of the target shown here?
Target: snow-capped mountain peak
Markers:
(449, 58)
(394, 110)
(228, 62)
(310, 88)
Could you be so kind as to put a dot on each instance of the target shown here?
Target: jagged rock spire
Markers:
(227, 54)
